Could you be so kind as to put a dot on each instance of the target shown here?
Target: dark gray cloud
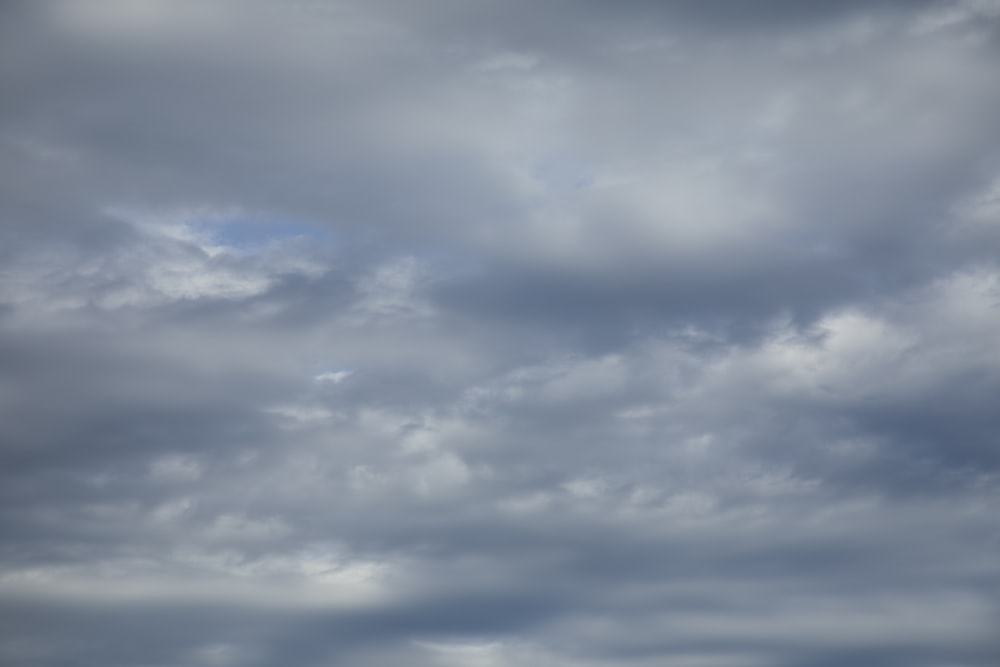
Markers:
(499, 333)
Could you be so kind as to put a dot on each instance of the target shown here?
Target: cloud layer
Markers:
(499, 334)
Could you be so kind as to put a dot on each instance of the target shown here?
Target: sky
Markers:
(499, 333)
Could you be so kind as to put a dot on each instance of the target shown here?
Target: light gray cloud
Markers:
(499, 334)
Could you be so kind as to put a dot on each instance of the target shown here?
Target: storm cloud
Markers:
(499, 333)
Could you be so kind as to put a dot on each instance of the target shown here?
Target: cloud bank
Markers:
(499, 333)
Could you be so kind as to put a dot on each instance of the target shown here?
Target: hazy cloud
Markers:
(499, 334)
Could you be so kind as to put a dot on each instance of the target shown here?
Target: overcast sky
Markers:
(499, 333)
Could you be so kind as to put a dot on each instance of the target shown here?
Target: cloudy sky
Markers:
(499, 333)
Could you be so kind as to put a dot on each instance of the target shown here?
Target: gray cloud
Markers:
(499, 334)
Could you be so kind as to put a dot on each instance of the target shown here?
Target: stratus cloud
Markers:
(503, 333)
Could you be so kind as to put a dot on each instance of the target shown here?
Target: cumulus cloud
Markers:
(501, 334)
